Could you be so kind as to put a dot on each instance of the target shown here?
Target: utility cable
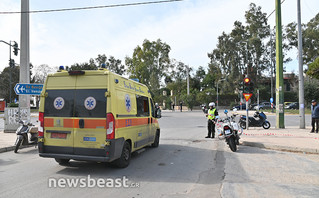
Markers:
(94, 7)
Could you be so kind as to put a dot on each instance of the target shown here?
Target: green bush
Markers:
(13, 105)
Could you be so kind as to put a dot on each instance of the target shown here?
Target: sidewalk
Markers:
(7, 140)
(290, 139)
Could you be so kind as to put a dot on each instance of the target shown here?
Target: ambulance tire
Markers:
(125, 158)
(156, 141)
(62, 161)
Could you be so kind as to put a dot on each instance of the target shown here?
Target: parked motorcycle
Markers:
(258, 120)
(230, 131)
(27, 134)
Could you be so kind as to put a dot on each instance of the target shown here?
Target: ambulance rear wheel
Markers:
(62, 161)
(125, 158)
(156, 141)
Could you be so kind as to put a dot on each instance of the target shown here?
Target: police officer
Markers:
(211, 115)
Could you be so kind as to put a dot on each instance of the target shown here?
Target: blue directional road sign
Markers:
(28, 89)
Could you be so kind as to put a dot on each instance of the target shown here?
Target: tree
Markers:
(112, 64)
(190, 99)
(311, 91)
(41, 72)
(242, 48)
(313, 69)
(310, 38)
(149, 63)
(5, 82)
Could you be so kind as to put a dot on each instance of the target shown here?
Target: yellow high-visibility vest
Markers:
(211, 114)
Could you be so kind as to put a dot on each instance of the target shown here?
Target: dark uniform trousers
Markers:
(211, 128)
(313, 122)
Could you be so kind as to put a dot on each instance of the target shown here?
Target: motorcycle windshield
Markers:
(263, 115)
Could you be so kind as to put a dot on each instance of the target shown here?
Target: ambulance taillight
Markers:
(110, 126)
(41, 127)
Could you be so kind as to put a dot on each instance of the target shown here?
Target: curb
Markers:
(11, 148)
(281, 148)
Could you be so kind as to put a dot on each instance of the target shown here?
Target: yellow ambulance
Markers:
(95, 115)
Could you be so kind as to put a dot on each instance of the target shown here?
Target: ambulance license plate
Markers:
(58, 135)
(89, 139)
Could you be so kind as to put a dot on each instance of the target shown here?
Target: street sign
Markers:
(28, 89)
(271, 100)
(247, 96)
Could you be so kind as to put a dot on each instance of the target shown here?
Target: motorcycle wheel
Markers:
(242, 125)
(232, 144)
(266, 125)
(18, 144)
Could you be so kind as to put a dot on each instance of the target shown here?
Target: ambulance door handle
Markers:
(81, 123)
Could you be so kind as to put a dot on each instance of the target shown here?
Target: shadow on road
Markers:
(167, 163)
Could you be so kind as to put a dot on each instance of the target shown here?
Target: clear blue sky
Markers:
(190, 27)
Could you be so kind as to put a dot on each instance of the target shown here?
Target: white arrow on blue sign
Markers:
(28, 89)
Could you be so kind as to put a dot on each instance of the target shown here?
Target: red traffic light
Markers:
(247, 80)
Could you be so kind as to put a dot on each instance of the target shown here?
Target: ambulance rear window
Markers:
(76, 103)
(59, 103)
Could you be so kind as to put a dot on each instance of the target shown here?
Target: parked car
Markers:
(263, 105)
(252, 106)
(294, 105)
(238, 106)
(287, 103)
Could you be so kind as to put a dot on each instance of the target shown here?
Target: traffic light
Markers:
(15, 48)
(11, 63)
(248, 86)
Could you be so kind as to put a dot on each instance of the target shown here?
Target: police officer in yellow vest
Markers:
(212, 113)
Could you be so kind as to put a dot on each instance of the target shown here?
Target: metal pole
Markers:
(280, 119)
(301, 79)
(217, 95)
(241, 99)
(187, 80)
(24, 100)
(258, 97)
(10, 68)
(247, 123)
(272, 73)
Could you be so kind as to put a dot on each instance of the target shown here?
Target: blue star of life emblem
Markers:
(128, 103)
(90, 103)
(58, 103)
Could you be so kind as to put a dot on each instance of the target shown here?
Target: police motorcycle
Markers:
(258, 120)
(229, 130)
(27, 134)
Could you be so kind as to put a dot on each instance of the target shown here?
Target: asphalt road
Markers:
(184, 165)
